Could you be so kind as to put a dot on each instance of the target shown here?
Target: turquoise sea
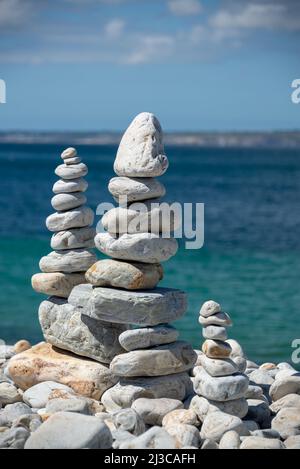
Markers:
(250, 261)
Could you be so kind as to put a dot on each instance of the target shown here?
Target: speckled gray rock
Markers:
(158, 361)
(37, 396)
(154, 438)
(146, 337)
(61, 202)
(74, 404)
(144, 308)
(77, 238)
(75, 218)
(216, 349)
(126, 391)
(12, 411)
(218, 319)
(9, 394)
(129, 420)
(184, 435)
(153, 411)
(224, 388)
(255, 442)
(230, 440)
(14, 438)
(69, 152)
(68, 430)
(259, 412)
(136, 189)
(215, 332)
(141, 151)
(56, 283)
(202, 406)
(209, 308)
(139, 247)
(282, 387)
(287, 422)
(120, 274)
(290, 400)
(71, 171)
(65, 327)
(218, 367)
(181, 416)
(217, 423)
(76, 260)
(63, 186)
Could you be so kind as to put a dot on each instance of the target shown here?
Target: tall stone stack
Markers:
(219, 379)
(154, 363)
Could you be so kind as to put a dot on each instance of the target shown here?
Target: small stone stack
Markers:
(219, 379)
(73, 236)
(156, 364)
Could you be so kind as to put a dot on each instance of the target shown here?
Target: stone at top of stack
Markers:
(73, 235)
(156, 363)
(219, 380)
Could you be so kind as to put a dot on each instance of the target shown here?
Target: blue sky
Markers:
(198, 65)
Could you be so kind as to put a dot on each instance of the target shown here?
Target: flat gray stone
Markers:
(290, 400)
(68, 430)
(202, 406)
(129, 420)
(144, 308)
(154, 438)
(141, 151)
(159, 361)
(14, 438)
(71, 171)
(224, 388)
(135, 339)
(9, 394)
(218, 319)
(153, 411)
(66, 327)
(61, 202)
(284, 386)
(56, 283)
(37, 396)
(75, 404)
(70, 161)
(287, 422)
(230, 440)
(255, 392)
(184, 435)
(218, 367)
(216, 424)
(77, 238)
(135, 189)
(69, 152)
(127, 390)
(75, 218)
(139, 247)
(214, 332)
(13, 411)
(255, 442)
(63, 186)
(76, 260)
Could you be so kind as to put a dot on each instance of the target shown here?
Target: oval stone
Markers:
(219, 319)
(69, 152)
(140, 247)
(217, 367)
(78, 260)
(76, 218)
(57, 283)
(225, 388)
(202, 406)
(216, 349)
(215, 332)
(146, 337)
(61, 202)
(73, 239)
(75, 160)
(209, 308)
(72, 171)
(135, 189)
(65, 187)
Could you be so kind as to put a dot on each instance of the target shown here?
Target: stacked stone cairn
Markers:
(220, 383)
(123, 290)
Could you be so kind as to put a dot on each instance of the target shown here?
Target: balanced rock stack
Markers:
(73, 235)
(220, 383)
(155, 364)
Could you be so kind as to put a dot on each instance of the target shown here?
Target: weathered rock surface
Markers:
(139, 247)
(56, 283)
(141, 151)
(44, 363)
(290, 400)
(158, 361)
(202, 406)
(255, 442)
(218, 367)
(9, 394)
(181, 416)
(216, 349)
(37, 396)
(146, 337)
(154, 438)
(153, 411)
(217, 423)
(184, 435)
(131, 276)
(13, 438)
(287, 422)
(230, 440)
(218, 319)
(76, 260)
(62, 186)
(215, 332)
(67, 328)
(282, 387)
(136, 189)
(224, 388)
(75, 218)
(61, 202)
(77, 238)
(129, 420)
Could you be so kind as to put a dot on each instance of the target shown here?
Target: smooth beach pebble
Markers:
(218, 367)
(56, 283)
(70, 161)
(69, 153)
(202, 406)
(72, 171)
(209, 308)
(223, 388)
(76, 238)
(216, 349)
(135, 189)
(65, 187)
(154, 438)
(153, 410)
(75, 218)
(255, 442)
(215, 332)
(61, 202)
(218, 319)
(181, 416)
(77, 260)
(146, 337)
(217, 423)
(21, 346)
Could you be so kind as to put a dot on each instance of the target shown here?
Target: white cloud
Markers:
(151, 48)
(185, 7)
(14, 12)
(114, 28)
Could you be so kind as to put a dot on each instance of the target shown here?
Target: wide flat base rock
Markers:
(136, 189)
(43, 362)
(158, 361)
(145, 337)
(127, 390)
(139, 247)
(225, 388)
(76, 260)
(144, 308)
(56, 283)
(67, 328)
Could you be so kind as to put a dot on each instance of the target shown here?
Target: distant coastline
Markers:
(272, 139)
